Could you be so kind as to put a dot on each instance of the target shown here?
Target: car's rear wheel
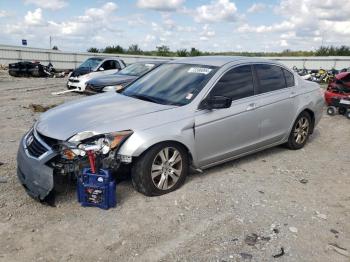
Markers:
(300, 132)
(161, 169)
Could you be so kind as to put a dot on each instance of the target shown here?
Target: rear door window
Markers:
(237, 83)
(289, 78)
(270, 78)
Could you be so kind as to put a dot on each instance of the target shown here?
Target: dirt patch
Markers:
(36, 108)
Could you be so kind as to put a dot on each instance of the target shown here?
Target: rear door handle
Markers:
(293, 94)
(251, 106)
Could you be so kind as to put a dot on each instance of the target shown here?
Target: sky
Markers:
(208, 25)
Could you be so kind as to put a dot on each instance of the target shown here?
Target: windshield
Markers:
(137, 69)
(91, 63)
(171, 84)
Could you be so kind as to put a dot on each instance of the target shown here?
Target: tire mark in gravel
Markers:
(164, 248)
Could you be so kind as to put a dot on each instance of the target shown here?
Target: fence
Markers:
(69, 60)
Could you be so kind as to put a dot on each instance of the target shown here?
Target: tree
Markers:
(93, 50)
(55, 47)
(163, 50)
(333, 51)
(134, 50)
(114, 49)
(195, 52)
(182, 52)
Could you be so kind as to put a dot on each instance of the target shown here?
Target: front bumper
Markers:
(33, 173)
(90, 90)
(76, 85)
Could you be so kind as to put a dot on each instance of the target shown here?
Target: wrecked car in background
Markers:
(32, 69)
(119, 80)
(93, 67)
(192, 112)
(338, 88)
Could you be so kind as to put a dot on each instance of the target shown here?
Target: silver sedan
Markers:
(193, 112)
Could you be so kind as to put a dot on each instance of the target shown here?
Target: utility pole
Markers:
(322, 41)
(50, 41)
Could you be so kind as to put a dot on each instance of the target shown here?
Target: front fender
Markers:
(180, 131)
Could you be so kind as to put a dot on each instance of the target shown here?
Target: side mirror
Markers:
(216, 102)
(101, 69)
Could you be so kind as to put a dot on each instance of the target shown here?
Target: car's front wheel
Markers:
(161, 169)
(300, 131)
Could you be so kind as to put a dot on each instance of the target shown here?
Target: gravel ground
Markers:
(244, 210)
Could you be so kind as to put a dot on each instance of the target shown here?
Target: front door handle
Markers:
(251, 106)
(293, 94)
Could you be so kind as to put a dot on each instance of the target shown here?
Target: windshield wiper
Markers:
(145, 98)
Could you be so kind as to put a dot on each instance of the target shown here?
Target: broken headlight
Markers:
(85, 141)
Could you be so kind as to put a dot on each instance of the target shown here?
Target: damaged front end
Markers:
(46, 166)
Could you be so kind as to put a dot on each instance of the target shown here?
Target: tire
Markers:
(331, 110)
(154, 161)
(342, 110)
(300, 132)
(347, 114)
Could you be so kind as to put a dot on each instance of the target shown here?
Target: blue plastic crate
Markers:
(97, 190)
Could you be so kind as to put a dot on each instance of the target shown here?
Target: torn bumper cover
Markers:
(33, 173)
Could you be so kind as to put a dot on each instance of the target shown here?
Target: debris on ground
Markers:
(3, 180)
(65, 91)
(279, 254)
(340, 250)
(276, 230)
(266, 238)
(322, 216)
(251, 240)
(37, 108)
(1, 163)
(246, 256)
(293, 229)
(303, 181)
(334, 231)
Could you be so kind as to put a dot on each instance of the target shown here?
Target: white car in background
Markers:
(93, 67)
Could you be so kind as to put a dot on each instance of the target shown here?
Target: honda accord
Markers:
(187, 113)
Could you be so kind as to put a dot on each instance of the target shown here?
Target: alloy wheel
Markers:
(301, 130)
(166, 168)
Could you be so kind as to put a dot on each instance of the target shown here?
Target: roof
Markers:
(105, 57)
(216, 60)
(157, 62)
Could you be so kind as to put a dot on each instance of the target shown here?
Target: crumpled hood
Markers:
(103, 113)
(81, 71)
(109, 80)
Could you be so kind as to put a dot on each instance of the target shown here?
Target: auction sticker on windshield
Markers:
(189, 96)
(199, 70)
